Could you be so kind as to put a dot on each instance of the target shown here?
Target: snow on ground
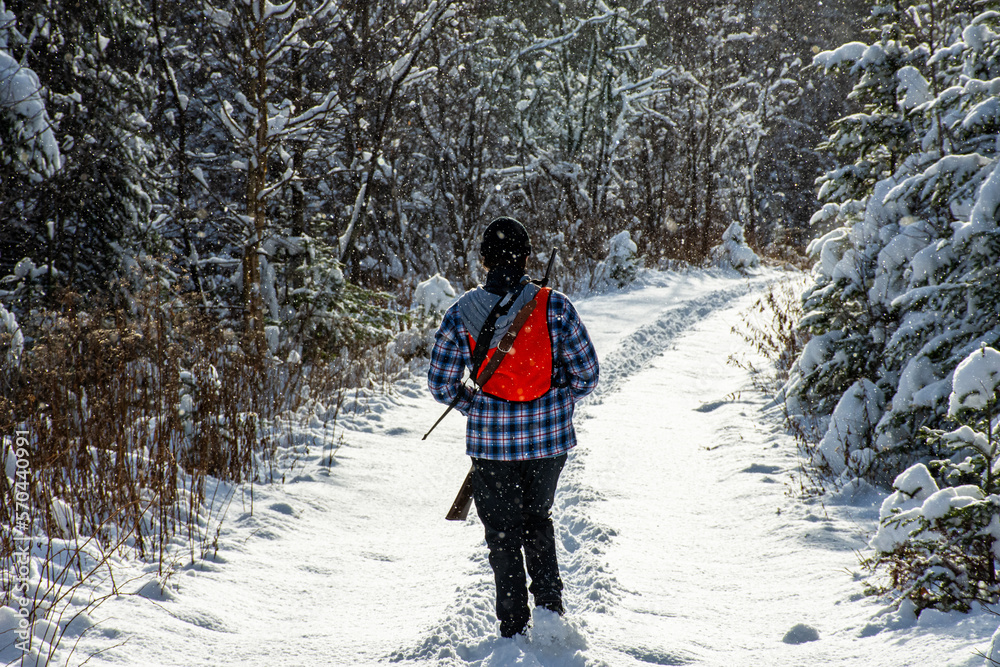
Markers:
(683, 538)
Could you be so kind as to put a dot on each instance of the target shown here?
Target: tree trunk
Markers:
(256, 182)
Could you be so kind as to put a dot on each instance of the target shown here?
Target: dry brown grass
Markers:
(770, 328)
(130, 413)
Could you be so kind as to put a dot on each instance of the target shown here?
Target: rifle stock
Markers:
(463, 501)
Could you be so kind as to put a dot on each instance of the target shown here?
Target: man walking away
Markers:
(520, 425)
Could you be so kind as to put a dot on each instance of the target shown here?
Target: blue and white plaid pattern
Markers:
(510, 431)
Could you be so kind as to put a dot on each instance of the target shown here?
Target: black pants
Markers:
(514, 499)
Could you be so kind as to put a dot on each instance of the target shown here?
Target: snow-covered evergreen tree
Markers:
(891, 303)
(88, 219)
(853, 309)
(27, 144)
(733, 252)
(620, 267)
(939, 540)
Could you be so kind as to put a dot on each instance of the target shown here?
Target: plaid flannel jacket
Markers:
(506, 430)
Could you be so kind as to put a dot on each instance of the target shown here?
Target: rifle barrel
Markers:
(548, 268)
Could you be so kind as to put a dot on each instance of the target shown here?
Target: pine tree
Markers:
(87, 220)
(27, 143)
(949, 286)
(894, 302)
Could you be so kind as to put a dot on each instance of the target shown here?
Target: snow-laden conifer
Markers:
(82, 207)
(939, 541)
(905, 296)
(620, 267)
(28, 142)
(895, 300)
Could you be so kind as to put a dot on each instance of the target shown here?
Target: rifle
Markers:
(463, 501)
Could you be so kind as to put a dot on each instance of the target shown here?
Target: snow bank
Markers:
(50, 598)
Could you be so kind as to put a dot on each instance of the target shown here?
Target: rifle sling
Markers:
(507, 341)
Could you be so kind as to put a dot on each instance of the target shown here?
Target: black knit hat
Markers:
(505, 242)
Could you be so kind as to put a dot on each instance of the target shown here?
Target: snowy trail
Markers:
(715, 556)
(704, 490)
(728, 575)
(680, 543)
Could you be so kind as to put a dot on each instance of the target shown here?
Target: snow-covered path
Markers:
(682, 538)
(716, 563)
